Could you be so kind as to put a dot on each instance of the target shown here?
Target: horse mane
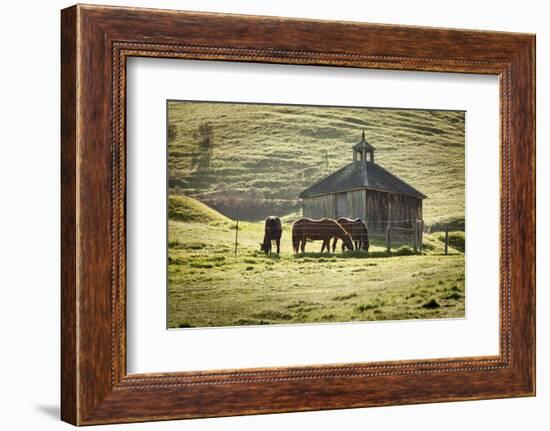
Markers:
(342, 230)
(359, 220)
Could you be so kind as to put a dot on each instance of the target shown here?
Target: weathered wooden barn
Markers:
(366, 190)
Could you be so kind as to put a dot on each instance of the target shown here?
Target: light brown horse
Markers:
(318, 230)
(357, 230)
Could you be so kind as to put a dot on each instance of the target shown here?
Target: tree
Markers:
(172, 133)
(204, 137)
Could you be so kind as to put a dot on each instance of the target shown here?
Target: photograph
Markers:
(299, 214)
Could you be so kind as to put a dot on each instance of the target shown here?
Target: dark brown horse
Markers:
(358, 232)
(318, 230)
(272, 232)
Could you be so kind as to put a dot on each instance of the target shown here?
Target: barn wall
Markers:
(319, 206)
(356, 204)
(400, 210)
(376, 208)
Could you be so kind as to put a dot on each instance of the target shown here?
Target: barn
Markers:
(366, 190)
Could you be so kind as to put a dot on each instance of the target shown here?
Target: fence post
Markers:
(421, 233)
(415, 236)
(388, 234)
(446, 240)
(237, 236)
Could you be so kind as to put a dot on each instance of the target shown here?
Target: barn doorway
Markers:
(341, 205)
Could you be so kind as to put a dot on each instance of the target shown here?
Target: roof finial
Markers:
(363, 135)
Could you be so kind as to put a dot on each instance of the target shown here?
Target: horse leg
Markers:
(278, 243)
(323, 246)
(303, 245)
(334, 244)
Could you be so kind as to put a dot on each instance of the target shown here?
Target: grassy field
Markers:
(250, 161)
(210, 286)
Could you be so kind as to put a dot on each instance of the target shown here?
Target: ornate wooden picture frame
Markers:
(96, 41)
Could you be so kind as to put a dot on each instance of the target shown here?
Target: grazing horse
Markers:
(358, 232)
(315, 230)
(272, 232)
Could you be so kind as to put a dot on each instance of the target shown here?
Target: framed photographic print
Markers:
(279, 215)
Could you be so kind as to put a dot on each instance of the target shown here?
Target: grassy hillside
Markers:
(184, 208)
(248, 161)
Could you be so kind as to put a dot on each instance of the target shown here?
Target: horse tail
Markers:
(278, 228)
(295, 239)
(365, 240)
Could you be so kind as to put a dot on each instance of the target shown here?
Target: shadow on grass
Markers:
(261, 254)
(360, 254)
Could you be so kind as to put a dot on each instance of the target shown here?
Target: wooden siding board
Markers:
(320, 206)
(376, 207)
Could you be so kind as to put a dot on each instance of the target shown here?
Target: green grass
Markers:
(210, 286)
(256, 159)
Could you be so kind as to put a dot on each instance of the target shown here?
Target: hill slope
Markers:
(251, 160)
(184, 208)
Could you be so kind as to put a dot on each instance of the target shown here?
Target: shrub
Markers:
(455, 224)
(379, 254)
(431, 304)
(454, 295)
(344, 297)
(428, 246)
(457, 240)
(404, 251)
(377, 303)
(273, 315)
(172, 133)
(185, 325)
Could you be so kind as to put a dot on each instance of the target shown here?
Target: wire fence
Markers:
(390, 234)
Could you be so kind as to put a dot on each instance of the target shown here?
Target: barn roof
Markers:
(361, 175)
